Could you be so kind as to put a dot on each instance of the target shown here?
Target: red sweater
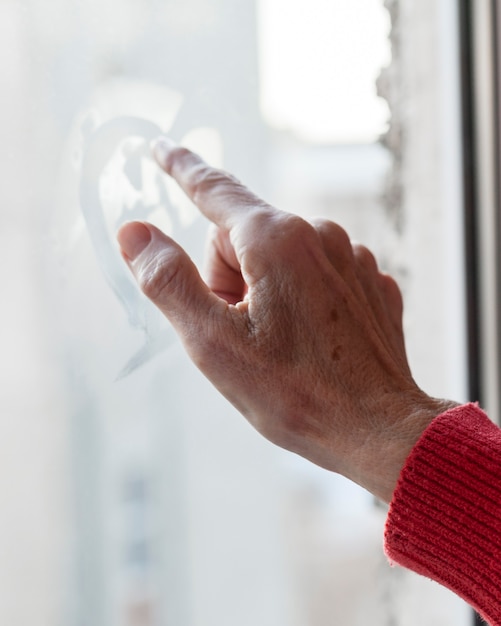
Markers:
(445, 518)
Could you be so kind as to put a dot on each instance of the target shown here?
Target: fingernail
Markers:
(133, 239)
(162, 147)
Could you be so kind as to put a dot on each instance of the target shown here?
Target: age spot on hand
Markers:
(336, 353)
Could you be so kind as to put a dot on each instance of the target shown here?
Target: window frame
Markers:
(480, 50)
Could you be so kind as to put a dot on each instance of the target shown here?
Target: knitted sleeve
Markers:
(445, 518)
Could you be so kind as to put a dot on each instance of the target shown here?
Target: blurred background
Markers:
(132, 494)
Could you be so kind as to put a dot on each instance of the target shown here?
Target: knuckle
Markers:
(159, 275)
(206, 179)
(336, 244)
(392, 289)
(288, 229)
(389, 282)
(332, 231)
(270, 229)
(365, 258)
(333, 237)
(285, 234)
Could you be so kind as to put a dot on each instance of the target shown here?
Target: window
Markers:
(134, 495)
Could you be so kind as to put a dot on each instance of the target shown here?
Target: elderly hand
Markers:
(294, 325)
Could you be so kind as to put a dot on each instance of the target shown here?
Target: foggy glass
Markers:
(133, 494)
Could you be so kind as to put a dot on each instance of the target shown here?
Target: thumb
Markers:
(169, 278)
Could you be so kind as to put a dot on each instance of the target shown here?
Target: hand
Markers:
(293, 324)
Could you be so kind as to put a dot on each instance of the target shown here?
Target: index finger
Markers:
(219, 195)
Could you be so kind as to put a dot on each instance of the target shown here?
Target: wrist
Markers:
(384, 456)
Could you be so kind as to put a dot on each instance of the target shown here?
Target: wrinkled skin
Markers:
(296, 326)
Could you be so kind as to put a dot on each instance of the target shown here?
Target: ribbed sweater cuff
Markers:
(445, 518)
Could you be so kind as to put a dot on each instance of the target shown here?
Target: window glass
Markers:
(136, 495)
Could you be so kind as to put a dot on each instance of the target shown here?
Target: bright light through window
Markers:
(319, 63)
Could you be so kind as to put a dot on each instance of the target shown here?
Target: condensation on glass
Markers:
(136, 496)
